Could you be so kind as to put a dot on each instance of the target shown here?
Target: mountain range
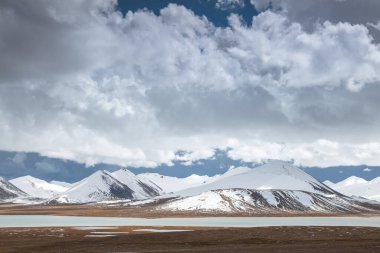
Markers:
(275, 187)
(358, 187)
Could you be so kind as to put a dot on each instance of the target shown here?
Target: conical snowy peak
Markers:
(263, 202)
(356, 186)
(271, 176)
(353, 180)
(273, 187)
(283, 168)
(141, 187)
(37, 188)
(9, 191)
(99, 186)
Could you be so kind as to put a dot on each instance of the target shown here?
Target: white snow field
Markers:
(174, 184)
(102, 186)
(359, 187)
(273, 187)
(275, 175)
(9, 191)
(38, 188)
(276, 186)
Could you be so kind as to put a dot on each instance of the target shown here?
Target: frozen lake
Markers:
(75, 221)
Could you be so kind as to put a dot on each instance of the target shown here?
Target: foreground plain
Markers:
(126, 239)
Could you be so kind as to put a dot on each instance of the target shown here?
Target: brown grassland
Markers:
(273, 239)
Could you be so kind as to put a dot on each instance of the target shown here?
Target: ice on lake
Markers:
(76, 221)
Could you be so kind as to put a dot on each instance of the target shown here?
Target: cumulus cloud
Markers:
(322, 153)
(229, 4)
(375, 25)
(81, 81)
(310, 12)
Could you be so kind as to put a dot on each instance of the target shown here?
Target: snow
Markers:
(136, 183)
(38, 188)
(274, 175)
(8, 190)
(353, 180)
(355, 186)
(95, 188)
(103, 186)
(174, 184)
(268, 196)
(64, 184)
(304, 198)
(260, 201)
(273, 186)
(97, 236)
(204, 201)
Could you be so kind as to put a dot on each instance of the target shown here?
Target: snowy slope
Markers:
(64, 184)
(97, 187)
(273, 187)
(171, 184)
(263, 202)
(356, 186)
(9, 191)
(142, 188)
(106, 186)
(174, 184)
(270, 176)
(38, 188)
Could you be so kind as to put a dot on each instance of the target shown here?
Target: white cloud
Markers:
(189, 157)
(229, 4)
(262, 5)
(376, 25)
(94, 86)
(321, 153)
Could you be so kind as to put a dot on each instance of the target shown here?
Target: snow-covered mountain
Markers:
(275, 175)
(142, 188)
(64, 184)
(273, 187)
(174, 184)
(97, 187)
(356, 186)
(263, 202)
(37, 188)
(9, 191)
(103, 186)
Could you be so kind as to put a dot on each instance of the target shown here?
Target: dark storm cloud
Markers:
(43, 38)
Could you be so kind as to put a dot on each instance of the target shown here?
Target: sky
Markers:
(142, 83)
(18, 164)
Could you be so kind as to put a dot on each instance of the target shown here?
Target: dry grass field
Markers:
(126, 239)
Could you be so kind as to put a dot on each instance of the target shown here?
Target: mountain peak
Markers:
(351, 181)
(8, 190)
(277, 167)
(36, 187)
(273, 175)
